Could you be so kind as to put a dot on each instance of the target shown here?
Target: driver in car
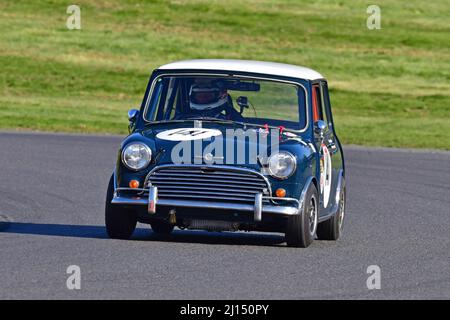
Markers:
(211, 99)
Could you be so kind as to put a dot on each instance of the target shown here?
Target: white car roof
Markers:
(272, 68)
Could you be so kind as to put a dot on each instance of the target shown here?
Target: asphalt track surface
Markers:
(52, 190)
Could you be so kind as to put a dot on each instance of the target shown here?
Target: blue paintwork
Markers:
(307, 157)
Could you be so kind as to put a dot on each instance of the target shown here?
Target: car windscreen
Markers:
(241, 99)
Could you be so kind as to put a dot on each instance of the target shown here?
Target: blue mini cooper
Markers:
(229, 145)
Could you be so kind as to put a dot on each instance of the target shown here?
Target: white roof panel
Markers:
(272, 68)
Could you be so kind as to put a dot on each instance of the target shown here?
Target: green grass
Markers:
(389, 87)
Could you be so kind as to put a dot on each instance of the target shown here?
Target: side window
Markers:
(166, 95)
(318, 104)
(326, 103)
(155, 100)
(171, 100)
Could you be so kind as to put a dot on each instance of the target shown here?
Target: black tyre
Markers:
(301, 228)
(120, 222)
(161, 226)
(332, 228)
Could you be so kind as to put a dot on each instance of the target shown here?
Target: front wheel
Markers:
(120, 222)
(301, 228)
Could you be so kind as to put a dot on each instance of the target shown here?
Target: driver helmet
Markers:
(207, 95)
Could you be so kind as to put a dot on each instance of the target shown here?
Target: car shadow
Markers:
(59, 230)
(144, 234)
(219, 238)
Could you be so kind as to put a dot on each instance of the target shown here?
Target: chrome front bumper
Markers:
(258, 208)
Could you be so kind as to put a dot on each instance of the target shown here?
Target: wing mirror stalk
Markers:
(132, 117)
(319, 128)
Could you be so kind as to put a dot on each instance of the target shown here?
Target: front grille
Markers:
(207, 183)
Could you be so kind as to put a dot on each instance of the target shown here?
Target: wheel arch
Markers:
(311, 180)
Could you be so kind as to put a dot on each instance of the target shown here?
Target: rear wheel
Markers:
(332, 228)
(161, 226)
(120, 222)
(301, 228)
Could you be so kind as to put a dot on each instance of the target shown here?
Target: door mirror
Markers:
(319, 127)
(132, 116)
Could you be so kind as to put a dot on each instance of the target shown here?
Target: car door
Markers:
(329, 163)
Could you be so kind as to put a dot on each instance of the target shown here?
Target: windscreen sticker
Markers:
(186, 134)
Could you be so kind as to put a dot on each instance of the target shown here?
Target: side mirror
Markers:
(319, 127)
(132, 116)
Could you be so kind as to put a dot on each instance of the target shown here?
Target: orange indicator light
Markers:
(134, 184)
(280, 193)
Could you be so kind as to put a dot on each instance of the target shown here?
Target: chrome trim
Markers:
(206, 197)
(142, 144)
(207, 193)
(257, 215)
(211, 187)
(132, 201)
(152, 199)
(283, 199)
(224, 73)
(220, 167)
(204, 178)
(131, 189)
(279, 210)
(140, 191)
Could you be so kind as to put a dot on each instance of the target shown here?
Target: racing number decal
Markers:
(325, 175)
(186, 134)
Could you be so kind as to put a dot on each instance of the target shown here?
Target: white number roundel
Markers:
(325, 175)
(186, 134)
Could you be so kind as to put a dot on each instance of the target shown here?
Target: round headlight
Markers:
(281, 165)
(136, 156)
